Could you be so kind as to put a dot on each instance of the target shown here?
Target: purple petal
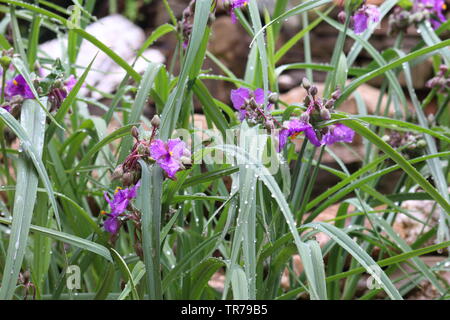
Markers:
(170, 166)
(112, 225)
(176, 148)
(259, 96)
(70, 83)
(158, 149)
(7, 108)
(310, 133)
(239, 96)
(361, 22)
(338, 133)
(282, 139)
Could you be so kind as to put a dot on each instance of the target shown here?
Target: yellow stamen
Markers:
(444, 6)
(15, 82)
(171, 153)
(103, 212)
(117, 190)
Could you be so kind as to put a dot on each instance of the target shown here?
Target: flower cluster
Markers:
(317, 110)
(441, 81)
(17, 89)
(171, 156)
(402, 18)
(249, 104)
(414, 143)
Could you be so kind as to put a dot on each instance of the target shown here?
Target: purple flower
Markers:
(293, 128)
(18, 87)
(338, 133)
(70, 83)
(235, 4)
(365, 15)
(168, 155)
(118, 205)
(240, 97)
(436, 8)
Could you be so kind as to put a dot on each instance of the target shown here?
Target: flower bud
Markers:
(135, 132)
(304, 117)
(156, 121)
(127, 179)
(5, 62)
(342, 16)
(330, 104)
(118, 173)
(306, 83)
(313, 90)
(336, 94)
(421, 143)
(273, 97)
(186, 161)
(252, 103)
(211, 19)
(325, 114)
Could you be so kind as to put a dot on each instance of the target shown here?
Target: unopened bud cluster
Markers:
(414, 143)
(319, 109)
(441, 81)
(129, 172)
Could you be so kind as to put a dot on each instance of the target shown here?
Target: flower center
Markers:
(117, 190)
(15, 82)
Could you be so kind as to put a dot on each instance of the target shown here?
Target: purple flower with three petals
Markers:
(365, 15)
(18, 87)
(169, 155)
(294, 127)
(241, 96)
(118, 205)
